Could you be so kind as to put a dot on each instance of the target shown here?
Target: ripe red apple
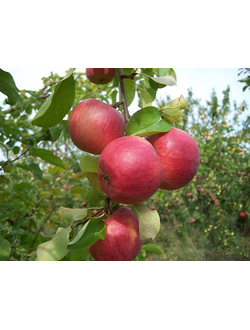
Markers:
(100, 76)
(179, 155)
(94, 124)
(122, 239)
(129, 170)
(242, 214)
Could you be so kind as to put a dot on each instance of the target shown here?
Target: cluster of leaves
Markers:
(41, 217)
(245, 80)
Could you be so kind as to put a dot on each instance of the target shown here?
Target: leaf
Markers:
(89, 166)
(91, 232)
(55, 249)
(23, 186)
(154, 248)
(5, 248)
(89, 163)
(167, 71)
(145, 97)
(149, 221)
(73, 214)
(129, 87)
(57, 104)
(35, 169)
(8, 87)
(147, 121)
(95, 182)
(166, 80)
(47, 155)
(172, 111)
(129, 90)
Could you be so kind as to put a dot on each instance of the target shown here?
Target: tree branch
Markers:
(123, 94)
(8, 162)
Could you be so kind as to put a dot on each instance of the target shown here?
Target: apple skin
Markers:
(94, 124)
(129, 170)
(122, 238)
(100, 76)
(179, 155)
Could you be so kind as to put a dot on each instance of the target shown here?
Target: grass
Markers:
(194, 245)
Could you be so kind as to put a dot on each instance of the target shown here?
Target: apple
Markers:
(100, 76)
(122, 238)
(179, 155)
(242, 214)
(94, 124)
(129, 170)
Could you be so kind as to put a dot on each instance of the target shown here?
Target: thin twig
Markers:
(8, 162)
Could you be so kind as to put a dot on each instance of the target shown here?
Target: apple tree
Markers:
(76, 162)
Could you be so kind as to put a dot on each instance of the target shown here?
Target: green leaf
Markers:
(147, 121)
(8, 87)
(149, 221)
(129, 86)
(145, 97)
(154, 248)
(166, 80)
(47, 155)
(55, 249)
(73, 214)
(95, 182)
(5, 248)
(91, 232)
(57, 104)
(23, 186)
(167, 71)
(129, 90)
(89, 166)
(89, 163)
(35, 169)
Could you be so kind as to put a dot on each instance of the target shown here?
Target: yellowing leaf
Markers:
(172, 111)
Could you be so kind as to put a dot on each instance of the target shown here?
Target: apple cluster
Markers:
(131, 168)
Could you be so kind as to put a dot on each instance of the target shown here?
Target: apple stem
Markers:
(107, 206)
(123, 94)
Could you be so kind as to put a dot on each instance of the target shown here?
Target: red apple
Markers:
(242, 214)
(100, 76)
(179, 155)
(129, 170)
(94, 124)
(122, 239)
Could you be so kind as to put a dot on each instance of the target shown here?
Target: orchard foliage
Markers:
(209, 218)
(51, 204)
